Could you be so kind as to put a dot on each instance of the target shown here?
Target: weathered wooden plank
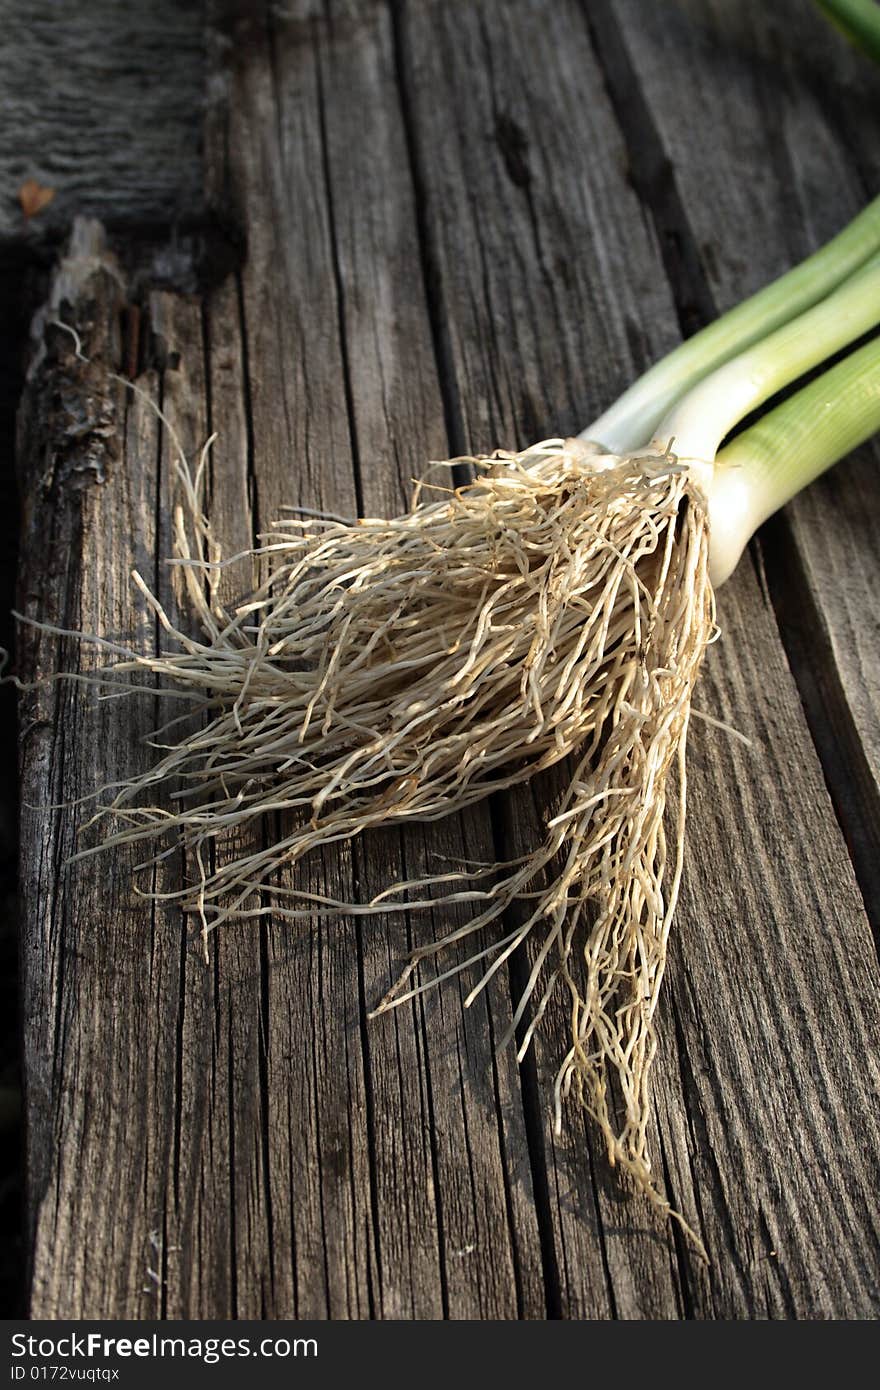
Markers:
(303, 1166)
(546, 308)
(317, 144)
(104, 105)
(774, 1003)
(72, 975)
(442, 252)
(104, 109)
(737, 1099)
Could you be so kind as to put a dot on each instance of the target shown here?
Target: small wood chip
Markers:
(34, 197)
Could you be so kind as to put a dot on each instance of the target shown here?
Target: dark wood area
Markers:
(417, 228)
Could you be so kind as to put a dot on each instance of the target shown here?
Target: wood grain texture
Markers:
(443, 252)
(104, 105)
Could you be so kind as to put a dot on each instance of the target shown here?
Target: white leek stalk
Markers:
(768, 464)
(696, 425)
(635, 416)
(740, 498)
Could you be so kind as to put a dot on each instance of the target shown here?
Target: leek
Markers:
(768, 464)
(635, 416)
(402, 669)
(859, 20)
